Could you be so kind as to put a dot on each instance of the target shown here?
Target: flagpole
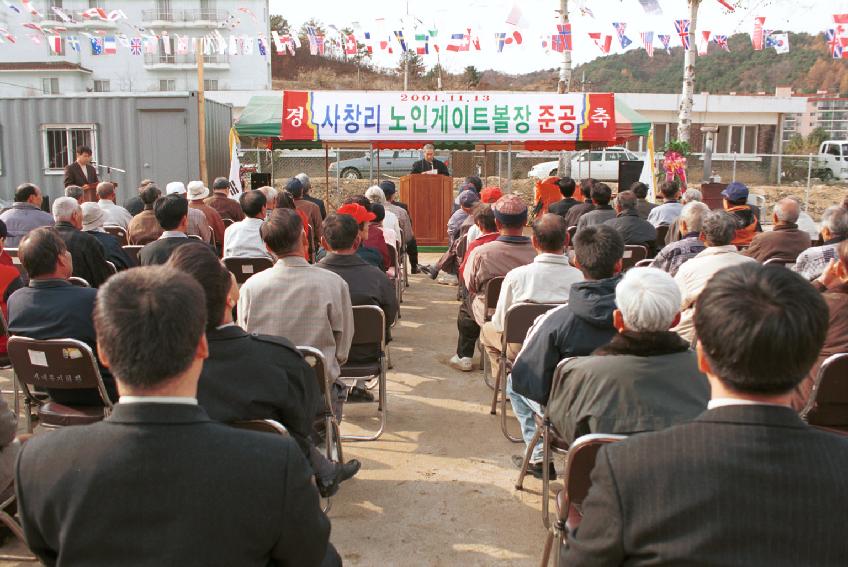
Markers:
(201, 115)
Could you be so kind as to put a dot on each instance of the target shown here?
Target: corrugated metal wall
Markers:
(118, 137)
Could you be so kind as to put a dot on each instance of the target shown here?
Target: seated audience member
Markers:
(197, 192)
(308, 305)
(488, 196)
(547, 279)
(25, 214)
(10, 281)
(691, 219)
(602, 211)
(221, 202)
(313, 213)
(307, 188)
(484, 221)
(509, 250)
(51, 307)
(252, 376)
(719, 228)
(633, 229)
(470, 183)
(363, 216)
(668, 212)
(833, 285)
(834, 229)
(805, 222)
(643, 206)
(134, 205)
(75, 192)
(144, 228)
(468, 200)
(575, 329)
(92, 223)
(285, 201)
(459, 224)
(689, 196)
(115, 215)
(206, 492)
(270, 198)
(646, 378)
(378, 238)
(172, 214)
(402, 212)
(10, 446)
(736, 203)
(785, 240)
(566, 187)
(577, 211)
(87, 252)
(197, 224)
(735, 486)
(377, 197)
(545, 193)
(241, 239)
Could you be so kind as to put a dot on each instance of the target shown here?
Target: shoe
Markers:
(465, 364)
(448, 279)
(343, 472)
(534, 469)
(424, 269)
(359, 395)
(415, 269)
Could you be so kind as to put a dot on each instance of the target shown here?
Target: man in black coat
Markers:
(92, 223)
(81, 172)
(50, 307)
(747, 482)
(172, 214)
(567, 186)
(87, 252)
(633, 228)
(430, 163)
(173, 487)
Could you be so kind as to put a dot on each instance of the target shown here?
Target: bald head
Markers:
(549, 233)
(106, 190)
(786, 211)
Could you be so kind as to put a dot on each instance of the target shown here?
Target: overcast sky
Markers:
(487, 17)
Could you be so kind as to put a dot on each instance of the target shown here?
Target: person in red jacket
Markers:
(10, 280)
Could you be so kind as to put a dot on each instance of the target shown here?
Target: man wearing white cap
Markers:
(197, 191)
(197, 224)
(92, 223)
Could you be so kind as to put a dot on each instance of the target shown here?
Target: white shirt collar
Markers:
(105, 202)
(173, 234)
(551, 258)
(713, 250)
(224, 326)
(158, 400)
(723, 402)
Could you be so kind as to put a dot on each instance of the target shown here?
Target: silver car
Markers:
(393, 163)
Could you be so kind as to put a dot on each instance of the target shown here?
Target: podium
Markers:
(430, 200)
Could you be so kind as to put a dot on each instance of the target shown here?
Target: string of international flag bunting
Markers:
(142, 40)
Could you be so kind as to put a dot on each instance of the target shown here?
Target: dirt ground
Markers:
(437, 488)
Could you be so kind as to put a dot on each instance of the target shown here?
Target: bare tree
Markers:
(684, 119)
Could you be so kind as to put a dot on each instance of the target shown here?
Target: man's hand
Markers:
(830, 276)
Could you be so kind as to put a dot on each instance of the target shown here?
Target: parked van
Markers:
(832, 161)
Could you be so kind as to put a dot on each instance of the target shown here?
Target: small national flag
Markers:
(648, 42)
(423, 44)
(261, 46)
(368, 45)
(604, 43)
(166, 44)
(312, 35)
(780, 42)
(584, 11)
(840, 18)
(62, 15)
(561, 42)
(515, 17)
(96, 46)
(74, 42)
(503, 39)
(463, 42)
(33, 26)
(682, 27)
(727, 5)
(12, 7)
(56, 43)
(135, 46)
(704, 44)
(93, 13)
(619, 29)
(666, 41)
(278, 43)
(30, 8)
(758, 38)
(110, 46)
(116, 15)
(350, 44)
(150, 45)
(834, 43)
(400, 40)
(182, 45)
(721, 41)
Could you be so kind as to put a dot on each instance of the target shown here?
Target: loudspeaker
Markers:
(45, 203)
(629, 172)
(258, 180)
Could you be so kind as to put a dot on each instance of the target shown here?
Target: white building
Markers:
(28, 68)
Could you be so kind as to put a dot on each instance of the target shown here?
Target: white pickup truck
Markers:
(832, 161)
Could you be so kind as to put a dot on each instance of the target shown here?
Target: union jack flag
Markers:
(648, 42)
(682, 27)
(721, 41)
(619, 29)
(834, 43)
(135, 46)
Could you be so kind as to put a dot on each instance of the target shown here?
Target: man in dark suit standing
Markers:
(81, 172)
(171, 212)
(430, 163)
(747, 482)
(174, 487)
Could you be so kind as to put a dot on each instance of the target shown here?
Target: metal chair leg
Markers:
(546, 465)
(546, 553)
(381, 408)
(519, 484)
(28, 410)
(497, 389)
(504, 399)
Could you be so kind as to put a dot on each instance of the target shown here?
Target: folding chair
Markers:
(827, 407)
(7, 518)
(79, 282)
(227, 221)
(6, 364)
(243, 268)
(662, 233)
(112, 267)
(369, 328)
(59, 364)
(519, 318)
(633, 253)
(396, 278)
(491, 295)
(315, 359)
(262, 426)
(786, 262)
(571, 230)
(132, 251)
(13, 253)
(578, 481)
(646, 263)
(403, 257)
(118, 232)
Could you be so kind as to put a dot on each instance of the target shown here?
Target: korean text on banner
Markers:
(449, 116)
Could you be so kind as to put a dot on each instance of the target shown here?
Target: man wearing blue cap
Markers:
(736, 203)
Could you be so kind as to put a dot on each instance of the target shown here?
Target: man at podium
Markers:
(430, 164)
(80, 172)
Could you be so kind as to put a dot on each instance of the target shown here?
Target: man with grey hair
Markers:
(307, 187)
(719, 229)
(430, 164)
(74, 192)
(633, 228)
(786, 240)
(834, 229)
(391, 221)
(691, 220)
(689, 196)
(115, 214)
(87, 254)
(645, 379)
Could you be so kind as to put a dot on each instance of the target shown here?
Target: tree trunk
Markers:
(684, 120)
(564, 86)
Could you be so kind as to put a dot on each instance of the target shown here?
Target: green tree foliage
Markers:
(471, 76)
(416, 64)
(809, 145)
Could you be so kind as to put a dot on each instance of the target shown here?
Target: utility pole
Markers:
(684, 119)
(201, 113)
(564, 86)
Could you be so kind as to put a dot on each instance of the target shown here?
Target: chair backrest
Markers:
(393, 259)
(195, 236)
(132, 251)
(369, 326)
(79, 282)
(62, 364)
(112, 267)
(644, 263)
(16, 260)
(315, 359)
(227, 221)
(262, 426)
(578, 469)
(633, 253)
(520, 317)
(492, 293)
(787, 262)
(243, 268)
(571, 230)
(118, 232)
(828, 402)
(662, 233)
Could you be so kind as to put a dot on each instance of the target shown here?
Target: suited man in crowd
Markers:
(172, 486)
(747, 482)
(430, 163)
(172, 213)
(81, 172)
(88, 254)
(25, 214)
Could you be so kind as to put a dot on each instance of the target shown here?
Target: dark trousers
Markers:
(469, 332)
(412, 252)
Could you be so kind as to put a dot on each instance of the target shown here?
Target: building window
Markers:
(736, 139)
(101, 86)
(60, 142)
(167, 85)
(54, 3)
(50, 86)
(210, 84)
